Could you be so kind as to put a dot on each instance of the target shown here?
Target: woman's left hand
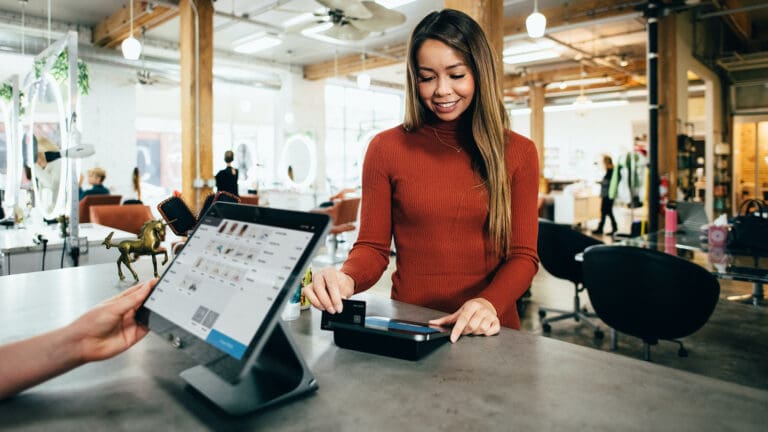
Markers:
(477, 316)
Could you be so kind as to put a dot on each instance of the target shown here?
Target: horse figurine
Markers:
(148, 243)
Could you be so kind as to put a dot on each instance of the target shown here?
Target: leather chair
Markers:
(249, 199)
(83, 210)
(649, 294)
(343, 214)
(557, 248)
(128, 218)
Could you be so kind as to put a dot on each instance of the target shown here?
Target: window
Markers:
(353, 117)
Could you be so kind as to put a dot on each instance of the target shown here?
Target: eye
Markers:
(458, 76)
(423, 78)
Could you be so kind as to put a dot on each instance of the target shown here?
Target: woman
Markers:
(607, 195)
(456, 189)
(226, 179)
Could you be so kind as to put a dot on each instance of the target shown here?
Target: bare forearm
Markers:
(32, 361)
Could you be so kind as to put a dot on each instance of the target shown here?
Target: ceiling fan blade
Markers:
(345, 32)
(350, 8)
(381, 20)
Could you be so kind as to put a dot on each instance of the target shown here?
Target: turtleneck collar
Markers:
(461, 124)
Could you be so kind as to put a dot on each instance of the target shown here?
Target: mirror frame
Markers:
(10, 114)
(59, 205)
(311, 147)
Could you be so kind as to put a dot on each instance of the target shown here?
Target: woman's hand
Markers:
(327, 289)
(110, 328)
(477, 316)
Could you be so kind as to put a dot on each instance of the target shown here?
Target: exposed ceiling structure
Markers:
(590, 46)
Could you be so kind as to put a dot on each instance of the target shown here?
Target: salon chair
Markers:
(128, 218)
(343, 215)
(83, 209)
(649, 294)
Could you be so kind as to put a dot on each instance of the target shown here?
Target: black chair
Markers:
(557, 247)
(649, 294)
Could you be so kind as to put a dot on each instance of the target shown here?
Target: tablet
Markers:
(220, 298)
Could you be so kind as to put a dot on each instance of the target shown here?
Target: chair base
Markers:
(580, 316)
(577, 314)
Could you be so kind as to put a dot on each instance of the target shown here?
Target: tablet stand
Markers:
(278, 375)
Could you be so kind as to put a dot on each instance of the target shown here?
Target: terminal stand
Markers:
(278, 375)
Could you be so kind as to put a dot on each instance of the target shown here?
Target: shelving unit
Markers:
(722, 180)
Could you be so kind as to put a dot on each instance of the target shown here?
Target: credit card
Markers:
(353, 312)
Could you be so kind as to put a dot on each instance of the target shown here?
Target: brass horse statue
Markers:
(152, 233)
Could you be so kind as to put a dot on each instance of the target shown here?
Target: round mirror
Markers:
(44, 140)
(298, 162)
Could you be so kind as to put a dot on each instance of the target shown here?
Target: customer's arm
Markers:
(105, 331)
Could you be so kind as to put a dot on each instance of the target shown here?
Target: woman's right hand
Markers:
(327, 289)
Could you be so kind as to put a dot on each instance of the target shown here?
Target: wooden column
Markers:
(490, 15)
(668, 82)
(536, 104)
(196, 101)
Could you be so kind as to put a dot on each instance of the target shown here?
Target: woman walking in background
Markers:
(607, 194)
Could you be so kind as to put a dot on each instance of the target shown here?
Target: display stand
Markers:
(278, 375)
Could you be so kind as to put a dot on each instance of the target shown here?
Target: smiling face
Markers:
(445, 82)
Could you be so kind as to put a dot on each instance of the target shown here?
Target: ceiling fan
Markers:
(355, 19)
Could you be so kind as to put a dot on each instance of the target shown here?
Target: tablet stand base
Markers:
(278, 375)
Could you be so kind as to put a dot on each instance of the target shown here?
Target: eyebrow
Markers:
(453, 66)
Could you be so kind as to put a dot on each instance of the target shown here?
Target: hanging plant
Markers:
(6, 94)
(60, 70)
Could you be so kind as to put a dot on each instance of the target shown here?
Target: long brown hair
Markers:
(489, 118)
(136, 180)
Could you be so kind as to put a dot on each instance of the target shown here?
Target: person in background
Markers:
(96, 177)
(135, 197)
(454, 186)
(103, 332)
(607, 195)
(226, 179)
(48, 171)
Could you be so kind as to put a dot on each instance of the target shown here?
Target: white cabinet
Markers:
(576, 209)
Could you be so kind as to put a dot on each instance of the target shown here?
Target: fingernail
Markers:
(331, 310)
(340, 308)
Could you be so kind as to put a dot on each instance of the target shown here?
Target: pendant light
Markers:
(582, 102)
(131, 46)
(536, 22)
(363, 79)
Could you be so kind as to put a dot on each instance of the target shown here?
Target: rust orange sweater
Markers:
(420, 189)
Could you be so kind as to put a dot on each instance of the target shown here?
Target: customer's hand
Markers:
(477, 317)
(327, 289)
(110, 328)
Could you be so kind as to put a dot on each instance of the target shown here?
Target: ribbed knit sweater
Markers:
(420, 187)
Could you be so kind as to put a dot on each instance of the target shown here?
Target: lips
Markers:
(445, 107)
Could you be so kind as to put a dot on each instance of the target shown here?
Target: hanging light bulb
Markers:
(363, 79)
(131, 46)
(582, 102)
(536, 22)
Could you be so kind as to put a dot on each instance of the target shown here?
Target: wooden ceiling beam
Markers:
(114, 29)
(572, 73)
(739, 22)
(352, 64)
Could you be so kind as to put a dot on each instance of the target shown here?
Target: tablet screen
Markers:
(227, 278)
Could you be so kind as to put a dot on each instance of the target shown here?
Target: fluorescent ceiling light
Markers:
(391, 4)
(585, 82)
(522, 47)
(317, 29)
(252, 44)
(570, 107)
(531, 57)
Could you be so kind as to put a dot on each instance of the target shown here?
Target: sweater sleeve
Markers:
(514, 275)
(370, 255)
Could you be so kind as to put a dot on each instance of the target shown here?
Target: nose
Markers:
(443, 87)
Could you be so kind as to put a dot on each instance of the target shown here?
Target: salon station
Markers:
(116, 114)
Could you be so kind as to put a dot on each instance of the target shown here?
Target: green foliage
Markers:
(6, 94)
(60, 70)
